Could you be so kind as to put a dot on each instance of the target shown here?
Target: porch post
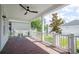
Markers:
(42, 18)
(56, 39)
(72, 44)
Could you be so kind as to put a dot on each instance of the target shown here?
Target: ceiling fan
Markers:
(27, 9)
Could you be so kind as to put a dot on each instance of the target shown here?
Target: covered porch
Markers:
(15, 26)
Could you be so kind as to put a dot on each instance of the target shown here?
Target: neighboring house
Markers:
(71, 27)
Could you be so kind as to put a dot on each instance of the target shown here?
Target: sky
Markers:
(68, 13)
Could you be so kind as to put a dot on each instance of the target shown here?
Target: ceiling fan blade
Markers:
(25, 13)
(33, 11)
(22, 6)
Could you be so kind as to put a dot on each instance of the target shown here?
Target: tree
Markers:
(56, 23)
(36, 24)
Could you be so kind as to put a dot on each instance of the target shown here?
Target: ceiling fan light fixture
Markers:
(27, 9)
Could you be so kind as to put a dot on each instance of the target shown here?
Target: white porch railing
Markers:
(69, 43)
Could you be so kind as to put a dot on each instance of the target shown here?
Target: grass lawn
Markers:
(77, 43)
(63, 42)
(48, 38)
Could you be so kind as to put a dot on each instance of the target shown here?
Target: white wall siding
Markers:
(4, 31)
(70, 29)
(5, 34)
(0, 27)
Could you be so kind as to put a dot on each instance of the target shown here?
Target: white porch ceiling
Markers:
(15, 12)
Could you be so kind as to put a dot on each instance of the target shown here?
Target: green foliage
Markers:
(77, 46)
(77, 43)
(48, 38)
(77, 50)
(36, 24)
(56, 23)
(63, 42)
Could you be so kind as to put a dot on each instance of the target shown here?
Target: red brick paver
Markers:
(21, 45)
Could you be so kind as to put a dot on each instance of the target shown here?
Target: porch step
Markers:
(62, 51)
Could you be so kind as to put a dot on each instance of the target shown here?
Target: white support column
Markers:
(72, 44)
(42, 18)
(56, 40)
